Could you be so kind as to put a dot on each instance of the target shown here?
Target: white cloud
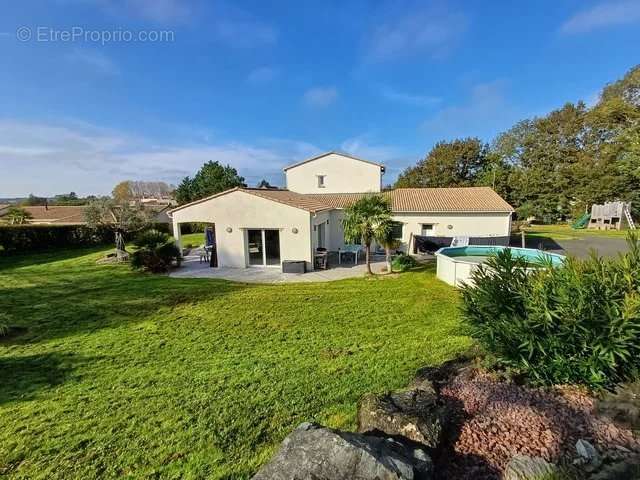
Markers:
(95, 60)
(244, 33)
(320, 97)
(367, 147)
(223, 20)
(486, 112)
(408, 98)
(51, 158)
(418, 31)
(262, 75)
(603, 15)
(156, 11)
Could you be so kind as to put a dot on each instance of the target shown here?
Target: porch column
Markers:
(177, 235)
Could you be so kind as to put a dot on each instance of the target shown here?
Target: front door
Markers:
(263, 247)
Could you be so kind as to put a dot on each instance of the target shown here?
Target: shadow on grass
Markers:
(25, 376)
(53, 301)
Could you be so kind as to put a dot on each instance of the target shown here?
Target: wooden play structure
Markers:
(611, 216)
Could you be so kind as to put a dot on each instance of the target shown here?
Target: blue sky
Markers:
(260, 84)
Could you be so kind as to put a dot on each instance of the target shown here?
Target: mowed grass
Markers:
(565, 232)
(121, 374)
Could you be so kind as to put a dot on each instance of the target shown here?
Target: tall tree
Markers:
(365, 219)
(449, 164)
(264, 184)
(210, 179)
(122, 192)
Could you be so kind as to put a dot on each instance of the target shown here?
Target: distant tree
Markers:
(366, 219)
(121, 217)
(449, 164)
(33, 201)
(70, 198)
(263, 184)
(122, 192)
(17, 216)
(212, 178)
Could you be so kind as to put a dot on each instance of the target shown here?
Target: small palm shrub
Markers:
(403, 262)
(156, 252)
(578, 323)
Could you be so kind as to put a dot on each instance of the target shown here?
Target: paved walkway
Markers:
(192, 268)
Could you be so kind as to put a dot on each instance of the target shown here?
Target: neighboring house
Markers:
(259, 227)
(55, 215)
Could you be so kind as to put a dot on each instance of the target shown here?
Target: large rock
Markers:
(414, 413)
(523, 467)
(319, 453)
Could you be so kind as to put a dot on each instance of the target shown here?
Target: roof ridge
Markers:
(334, 152)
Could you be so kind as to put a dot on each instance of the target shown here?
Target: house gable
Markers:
(334, 173)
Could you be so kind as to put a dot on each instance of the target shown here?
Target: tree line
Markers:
(554, 166)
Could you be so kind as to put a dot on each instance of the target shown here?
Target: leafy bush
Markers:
(403, 262)
(27, 238)
(576, 323)
(156, 252)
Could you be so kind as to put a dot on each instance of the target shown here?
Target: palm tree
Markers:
(364, 219)
(17, 216)
(384, 236)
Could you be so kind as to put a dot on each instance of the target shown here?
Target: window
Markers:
(427, 229)
(321, 181)
(396, 230)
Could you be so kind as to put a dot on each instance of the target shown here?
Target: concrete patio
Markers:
(193, 268)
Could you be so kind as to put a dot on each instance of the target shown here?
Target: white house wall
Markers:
(455, 224)
(241, 211)
(341, 175)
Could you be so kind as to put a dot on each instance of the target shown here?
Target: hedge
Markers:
(26, 238)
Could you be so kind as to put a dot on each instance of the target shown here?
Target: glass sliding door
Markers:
(272, 247)
(263, 247)
(256, 247)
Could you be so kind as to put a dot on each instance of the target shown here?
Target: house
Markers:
(74, 214)
(260, 227)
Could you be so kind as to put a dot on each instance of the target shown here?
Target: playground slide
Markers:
(581, 222)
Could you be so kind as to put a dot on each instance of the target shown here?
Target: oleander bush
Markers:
(156, 252)
(578, 323)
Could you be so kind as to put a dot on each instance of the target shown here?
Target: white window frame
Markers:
(321, 182)
(422, 229)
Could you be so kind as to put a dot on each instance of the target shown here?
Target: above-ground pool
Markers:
(456, 264)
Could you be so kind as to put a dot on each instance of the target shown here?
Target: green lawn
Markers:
(120, 374)
(565, 232)
(195, 239)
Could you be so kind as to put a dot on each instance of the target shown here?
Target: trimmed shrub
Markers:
(403, 262)
(156, 252)
(27, 238)
(578, 323)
